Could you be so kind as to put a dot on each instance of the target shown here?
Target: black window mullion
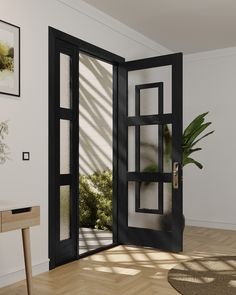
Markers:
(137, 148)
(138, 121)
(75, 147)
(160, 148)
(57, 147)
(149, 177)
(65, 179)
(149, 85)
(161, 119)
(160, 131)
(66, 114)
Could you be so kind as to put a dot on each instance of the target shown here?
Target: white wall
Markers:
(28, 115)
(210, 85)
(95, 115)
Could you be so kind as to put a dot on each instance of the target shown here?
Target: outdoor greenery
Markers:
(4, 149)
(6, 57)
(95, 201)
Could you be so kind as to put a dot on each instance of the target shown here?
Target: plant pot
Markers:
(167, 220)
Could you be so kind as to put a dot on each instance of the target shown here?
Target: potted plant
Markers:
(192, 135)
(4, 149)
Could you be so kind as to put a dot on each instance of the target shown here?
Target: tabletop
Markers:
(12, 205)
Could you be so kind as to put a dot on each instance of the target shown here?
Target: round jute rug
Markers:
(205, 276)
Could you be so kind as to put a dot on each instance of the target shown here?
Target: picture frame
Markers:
(9, 59)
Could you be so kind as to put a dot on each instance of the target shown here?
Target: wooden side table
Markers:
(19, 216)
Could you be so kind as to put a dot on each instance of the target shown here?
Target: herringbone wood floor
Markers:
(128, 270)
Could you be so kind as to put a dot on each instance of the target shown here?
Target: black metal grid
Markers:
(138, 88)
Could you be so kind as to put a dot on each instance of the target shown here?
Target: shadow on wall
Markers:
(95, 148)
(95, 115)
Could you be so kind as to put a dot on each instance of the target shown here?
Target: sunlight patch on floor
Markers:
(115, 270)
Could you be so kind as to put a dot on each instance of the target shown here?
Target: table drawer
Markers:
(20, 218)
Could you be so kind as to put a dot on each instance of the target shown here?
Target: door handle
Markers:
(175, 175)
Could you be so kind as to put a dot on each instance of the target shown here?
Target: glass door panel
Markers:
(65, 81)
(65, 146)
(64, 212)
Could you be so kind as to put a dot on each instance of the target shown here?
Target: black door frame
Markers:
(62, 42)
(72, 46)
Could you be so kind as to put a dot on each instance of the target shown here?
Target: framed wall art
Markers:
(9, 59)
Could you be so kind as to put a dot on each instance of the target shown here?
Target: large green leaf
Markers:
(195, 142)
(188, 160)
(190, 151)
(190, 139)
(196, 133)
(194, 124)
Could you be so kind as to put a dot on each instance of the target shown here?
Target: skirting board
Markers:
(211, 224)
(13, 277)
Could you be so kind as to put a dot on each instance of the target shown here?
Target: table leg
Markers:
(27, 255)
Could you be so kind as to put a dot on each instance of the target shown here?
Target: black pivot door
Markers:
(66, 99)
(150, 153)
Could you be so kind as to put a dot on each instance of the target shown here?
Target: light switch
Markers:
(26, 156)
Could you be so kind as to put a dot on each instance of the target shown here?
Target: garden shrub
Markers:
(95, 200)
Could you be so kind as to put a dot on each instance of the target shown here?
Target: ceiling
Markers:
(180, 25)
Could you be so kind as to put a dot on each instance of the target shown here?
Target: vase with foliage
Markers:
(192, 135)
(4, 149)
